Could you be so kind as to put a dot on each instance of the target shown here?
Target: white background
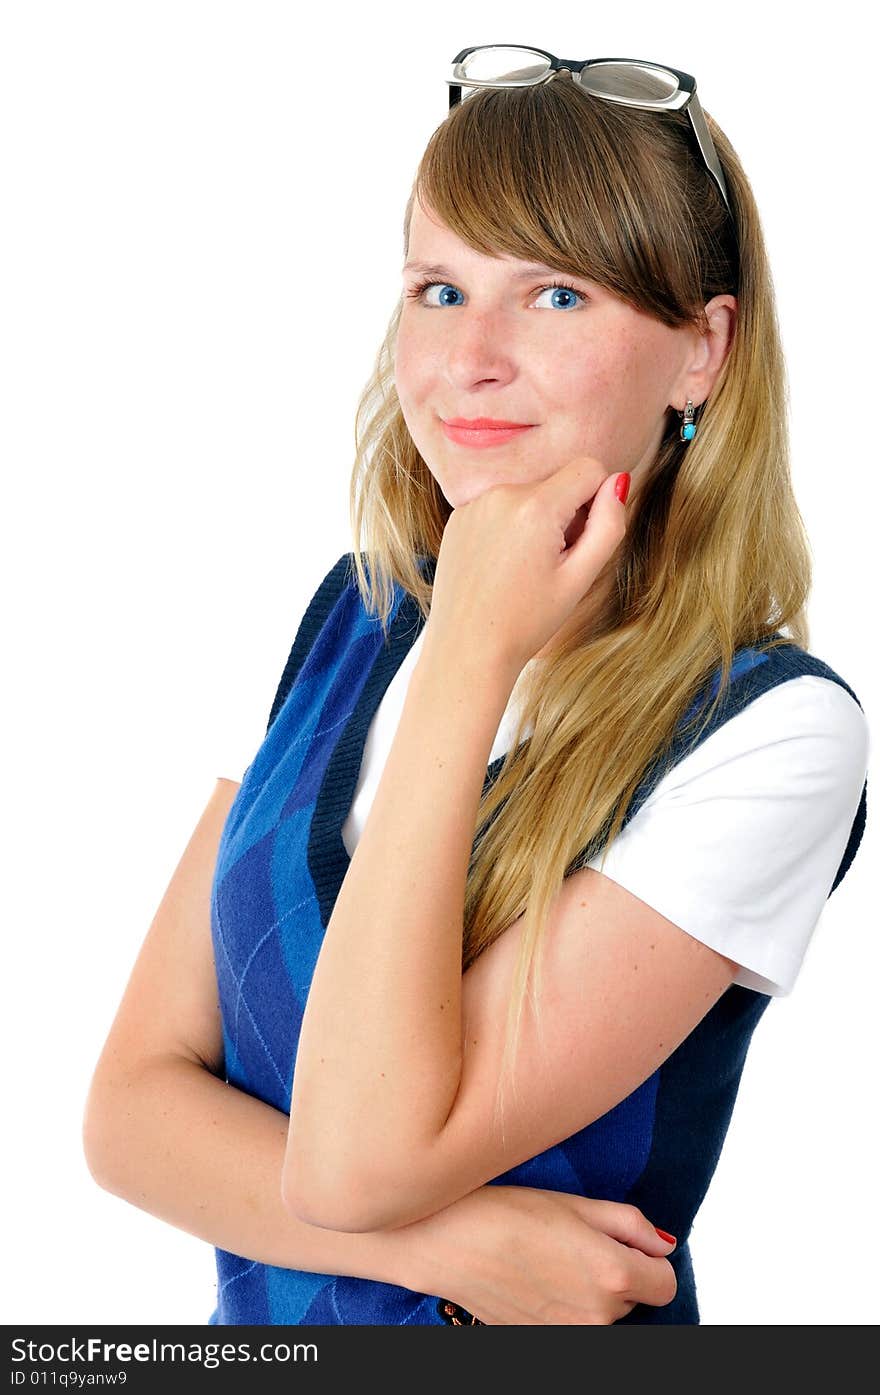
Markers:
(201, 248)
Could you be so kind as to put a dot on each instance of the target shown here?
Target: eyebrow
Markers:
(525, 273)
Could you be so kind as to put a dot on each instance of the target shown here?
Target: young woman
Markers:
(552, 793)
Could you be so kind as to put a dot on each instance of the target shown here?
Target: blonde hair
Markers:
(715, 556)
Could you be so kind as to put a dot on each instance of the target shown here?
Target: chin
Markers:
(457, 492)
(457, 498)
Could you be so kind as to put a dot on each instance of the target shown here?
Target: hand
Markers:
(505, 577)
(522, 1256)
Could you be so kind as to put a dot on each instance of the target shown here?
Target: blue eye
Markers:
(567, 290)
(426, 285)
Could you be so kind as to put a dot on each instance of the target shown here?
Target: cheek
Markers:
(412, 368)
(401, 362)
(608, 393)
(591, 363)
(586, 388)
(618, 376)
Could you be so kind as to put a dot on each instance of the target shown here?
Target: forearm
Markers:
(180, 1143)
(379, 1055)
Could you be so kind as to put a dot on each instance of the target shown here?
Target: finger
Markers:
(603, 531)
(572, 487)
(627, 1224)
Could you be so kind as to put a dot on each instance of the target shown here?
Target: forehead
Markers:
(431, 243)
(425, 223)
(429, 237)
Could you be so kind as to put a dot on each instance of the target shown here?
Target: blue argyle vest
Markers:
(280, 864)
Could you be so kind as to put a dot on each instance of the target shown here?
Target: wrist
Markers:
(404, 1256)
(446, 661)
(455, 1247)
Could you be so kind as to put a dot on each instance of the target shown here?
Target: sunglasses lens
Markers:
(640, 82)
(498, 64)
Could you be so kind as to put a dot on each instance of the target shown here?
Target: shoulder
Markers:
(817, 707)
(336, 579)
(319, 607)
(806, 728)
(741, 842)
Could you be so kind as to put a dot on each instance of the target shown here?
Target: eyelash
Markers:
(554, 285)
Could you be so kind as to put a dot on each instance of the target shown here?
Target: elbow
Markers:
(103, 1138)
(97, 1152)
(92, 1139)
(92, 1162)
(329, 1212)
(353, 1205)
(330, 1216)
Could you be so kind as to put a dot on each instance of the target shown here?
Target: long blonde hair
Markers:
(715, 556)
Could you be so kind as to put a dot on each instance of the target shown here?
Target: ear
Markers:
(710, 351)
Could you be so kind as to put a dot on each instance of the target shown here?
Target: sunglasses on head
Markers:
(633, 82)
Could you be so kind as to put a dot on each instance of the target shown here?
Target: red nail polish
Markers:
(670, 1239)
(621, 489)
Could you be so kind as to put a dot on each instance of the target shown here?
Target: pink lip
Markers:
(481, 435)
(484, 423)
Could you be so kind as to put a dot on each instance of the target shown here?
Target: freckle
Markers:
(382, 1073)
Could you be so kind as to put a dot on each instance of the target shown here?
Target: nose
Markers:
(479, 349)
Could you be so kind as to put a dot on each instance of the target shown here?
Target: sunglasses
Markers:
(633, 82)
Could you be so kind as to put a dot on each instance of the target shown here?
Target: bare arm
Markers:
(164, 1131)
(379, 1056)
(183, 1145)
(392, 1113)
(178, 1142)
(161, 1127)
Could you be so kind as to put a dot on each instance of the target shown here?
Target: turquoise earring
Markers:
(688, 430)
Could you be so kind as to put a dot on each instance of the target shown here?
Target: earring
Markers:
(688, 430)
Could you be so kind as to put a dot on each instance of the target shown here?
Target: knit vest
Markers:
(280, 864)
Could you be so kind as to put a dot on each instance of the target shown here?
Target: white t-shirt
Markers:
(740, 842)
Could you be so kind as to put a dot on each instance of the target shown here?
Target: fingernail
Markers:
(670, 1239)
(621, 489)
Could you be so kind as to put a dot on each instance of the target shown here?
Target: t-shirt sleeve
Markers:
(740, 842)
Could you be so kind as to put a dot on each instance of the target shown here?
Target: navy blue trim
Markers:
(676, 1178)
(327, 854)
(317, 610)
(753, 672)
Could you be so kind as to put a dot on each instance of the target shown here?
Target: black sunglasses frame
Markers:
(685, 96)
